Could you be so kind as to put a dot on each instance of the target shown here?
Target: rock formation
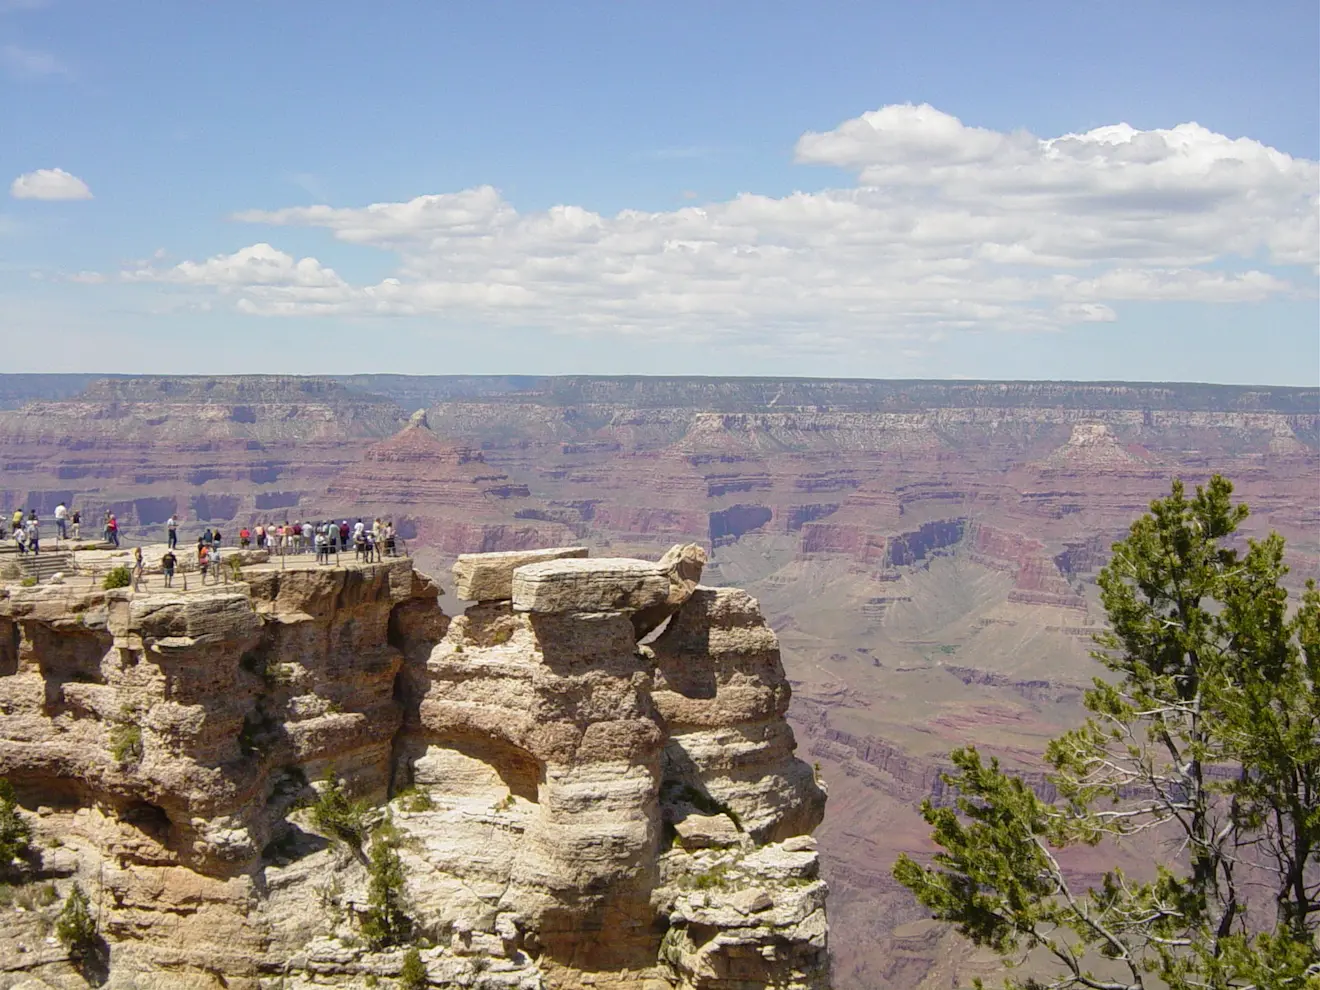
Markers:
(571, 808)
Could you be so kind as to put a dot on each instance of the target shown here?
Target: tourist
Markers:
(307, 533)
(389, 538)
(261, 536)
(76, 523)
(359, 545)
(322, 554)
(111, 529)
(172, 530)
(34, 532)
(343, 534)
(213, 558)
(61, 522)
(203, 559)
(20, 538)
(358, 529)
(17, 522)
(216, 538)
(139, 578)
(207, 537)
(167, 563)
(244, 538)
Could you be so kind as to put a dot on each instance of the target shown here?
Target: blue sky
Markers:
(851, 189)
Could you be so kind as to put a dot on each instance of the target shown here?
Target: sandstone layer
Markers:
(572, 808)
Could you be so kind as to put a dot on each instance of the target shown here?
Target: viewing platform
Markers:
(84, 565)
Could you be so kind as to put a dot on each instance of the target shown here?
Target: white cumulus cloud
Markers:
(948, 226)
(49, 183)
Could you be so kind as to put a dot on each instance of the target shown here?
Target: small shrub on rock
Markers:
(413, 800)
(15, 833)
(385, 922)
(75, 927)
(119, 577)
(334, 812)
(28, 582)
(413, 974)
(126, 743)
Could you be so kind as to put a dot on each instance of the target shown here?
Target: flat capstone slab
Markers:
(601, 584)
(488, 577)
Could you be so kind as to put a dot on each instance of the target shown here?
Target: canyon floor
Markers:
(925, 551)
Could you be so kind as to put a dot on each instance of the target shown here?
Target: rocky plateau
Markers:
(588, 777)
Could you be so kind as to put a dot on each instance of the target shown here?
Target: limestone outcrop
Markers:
(571, 807)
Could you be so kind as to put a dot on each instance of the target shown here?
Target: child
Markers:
(167, 563)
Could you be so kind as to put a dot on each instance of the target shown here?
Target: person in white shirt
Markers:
(172, 529)
(62, 521)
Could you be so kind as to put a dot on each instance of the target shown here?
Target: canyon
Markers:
(924, 552)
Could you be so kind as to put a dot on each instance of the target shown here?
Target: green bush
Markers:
(413, 974)
(75, 927)
(119, 577)
(28, 582)
(126, 743)
(334, 812)
(15, 833)
(411, 799)
(385, 922)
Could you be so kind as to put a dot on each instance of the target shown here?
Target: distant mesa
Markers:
(1284, 442)
(1092, 446)
(416, 443)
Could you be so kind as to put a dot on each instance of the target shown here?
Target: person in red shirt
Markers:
(244, 537)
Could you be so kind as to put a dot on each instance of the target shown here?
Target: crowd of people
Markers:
(370, 541)
(26, 529)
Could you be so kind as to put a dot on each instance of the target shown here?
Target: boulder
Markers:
(707, 832)
(682, 565)
(602, 584)
(488, 577)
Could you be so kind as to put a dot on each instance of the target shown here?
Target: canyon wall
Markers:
(569, 811)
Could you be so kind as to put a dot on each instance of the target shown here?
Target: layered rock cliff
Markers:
(587, 778)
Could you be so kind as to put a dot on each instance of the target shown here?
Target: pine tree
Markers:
(413, 974)
(75, 928)
(15, 832)
(386, 922)
(1206, 733)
